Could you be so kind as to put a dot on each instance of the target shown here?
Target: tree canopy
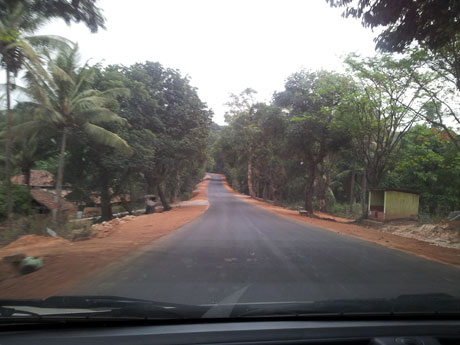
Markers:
(432, 23)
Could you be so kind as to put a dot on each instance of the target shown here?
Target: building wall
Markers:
(376, 198)
(376, 205)
(401, 205)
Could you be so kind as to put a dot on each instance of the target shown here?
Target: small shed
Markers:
(387, 204)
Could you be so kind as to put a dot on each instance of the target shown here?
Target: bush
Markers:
(22, 201)
(35, 225)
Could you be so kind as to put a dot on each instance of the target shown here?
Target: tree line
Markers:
(389, 121)
(115, 131)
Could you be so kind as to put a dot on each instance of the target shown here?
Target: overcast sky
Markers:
(224, 46)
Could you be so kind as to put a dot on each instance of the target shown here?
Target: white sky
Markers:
(224, 46)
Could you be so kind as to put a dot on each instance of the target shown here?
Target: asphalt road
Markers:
(238, 252)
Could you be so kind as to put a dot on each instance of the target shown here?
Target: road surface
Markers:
(238, 252)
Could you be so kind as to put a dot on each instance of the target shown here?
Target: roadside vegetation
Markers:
(321, 143)
(106, 133)
(389, 121)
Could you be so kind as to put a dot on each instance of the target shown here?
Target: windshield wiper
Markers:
(429, 304)
(8, 312)
(121, 308)
(93, 307)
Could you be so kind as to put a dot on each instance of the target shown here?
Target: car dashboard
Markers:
(349, 332)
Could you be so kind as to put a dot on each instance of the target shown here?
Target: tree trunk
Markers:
(352, 190)
(250, 187)
(106, 205)
(60, 176)
(325, 181)
(161, 194)
(151, 189)
(127, 204)
(9, 197)
(363, 195)
(26, 173)
(322, 193)
(309, 188)
(265, 191)
(273, 191)
(276, 200)
(176, 191)
(328, 181)
(256, 183)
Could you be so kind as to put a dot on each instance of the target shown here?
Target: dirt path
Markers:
(68, 263)
(409, 245)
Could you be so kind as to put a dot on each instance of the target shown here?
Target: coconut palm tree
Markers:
(65, 104)
(18, 20)
(13, 55)
(17, 51)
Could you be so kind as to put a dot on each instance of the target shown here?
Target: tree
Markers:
(270, 173)
(382, 108)
(437, 74)
(381, 112)
(169, 108)
(26, 151)
(429, 163)
(22, 201)
(67, 104)
(316, 129)
(18, 19)
(16, 51)
(431, 23)
(241, 119)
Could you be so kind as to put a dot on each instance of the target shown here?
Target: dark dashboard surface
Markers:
(406, 332)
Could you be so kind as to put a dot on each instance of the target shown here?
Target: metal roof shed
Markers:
(387, 204)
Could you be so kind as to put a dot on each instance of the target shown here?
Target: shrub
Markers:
(35, 225)
(341, 210)
(22, 201)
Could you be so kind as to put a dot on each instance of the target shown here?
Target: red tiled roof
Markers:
(46, 198)
(38, 178)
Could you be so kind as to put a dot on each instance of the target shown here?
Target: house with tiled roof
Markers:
(38, 179)
(44, 200)
(42, 190)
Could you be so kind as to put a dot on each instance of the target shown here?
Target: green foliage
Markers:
(127, 131)
(430, 164)
(380, 110)
(22, 201)
(327, 138)
(428, 22)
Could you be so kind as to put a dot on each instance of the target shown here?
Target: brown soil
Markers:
(69, 263)
(409, 245)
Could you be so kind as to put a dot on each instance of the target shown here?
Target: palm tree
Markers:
(17, 52)
(27, 150)
(66, 104)
(19, 19)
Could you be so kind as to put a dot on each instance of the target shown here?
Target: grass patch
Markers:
(342, 210)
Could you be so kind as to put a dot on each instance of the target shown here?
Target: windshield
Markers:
(228, 159)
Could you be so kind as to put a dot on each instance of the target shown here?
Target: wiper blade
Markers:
(100, 307)
(403, 305)
(8, 312)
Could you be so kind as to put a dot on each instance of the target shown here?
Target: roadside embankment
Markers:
(68, 263)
